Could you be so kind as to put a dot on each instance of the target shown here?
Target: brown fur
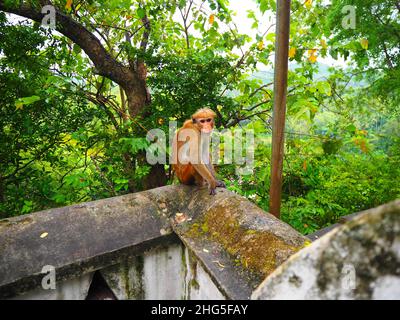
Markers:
(198, 173)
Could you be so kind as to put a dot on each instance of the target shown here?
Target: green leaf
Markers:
(141, 13)
(77, 49)
(270, 37)
(351, 128)
(264, 6)
(324, 87)
(28, 206)
(26, 100)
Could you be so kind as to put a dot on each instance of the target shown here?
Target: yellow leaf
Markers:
(211, 19)
(364, 43)
(312, 59)
(292, 52)
(323, 44)
(219, 107)
(91, 152)
(219, 264)
(19, 106)
(44, 235)
(160, 121)
(78, 7)
(308, 4)
(305, 165)
(260, 45)
(97, 152)
(68, 5)
(67, 139)
(307, 243)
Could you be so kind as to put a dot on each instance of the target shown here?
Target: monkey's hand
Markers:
(221, 184)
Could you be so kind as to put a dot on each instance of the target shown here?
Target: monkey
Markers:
(191, 160)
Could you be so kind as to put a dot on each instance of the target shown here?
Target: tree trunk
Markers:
(1, 190)
(137, 98)
(156, 178)
(132, 79)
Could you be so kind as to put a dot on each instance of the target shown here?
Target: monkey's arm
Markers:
(220, 183)
(204, 171)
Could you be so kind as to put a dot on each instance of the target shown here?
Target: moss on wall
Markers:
(258, 250)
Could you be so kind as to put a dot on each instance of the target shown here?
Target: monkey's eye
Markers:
(205, 120)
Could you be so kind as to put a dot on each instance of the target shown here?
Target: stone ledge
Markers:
(237, 243)
(80, 239)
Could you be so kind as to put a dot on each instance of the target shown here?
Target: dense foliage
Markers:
(68, 133)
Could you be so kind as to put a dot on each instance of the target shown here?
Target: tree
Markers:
(189, 64)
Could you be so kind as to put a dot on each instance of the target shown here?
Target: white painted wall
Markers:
(167, 274)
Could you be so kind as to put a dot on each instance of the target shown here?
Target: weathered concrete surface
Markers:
(237, 243)
(156, 275)
(229, 239)
(125, 279)
(72, 289)
(359, 260)
(165, 273)
(198, 283)
(82, 238)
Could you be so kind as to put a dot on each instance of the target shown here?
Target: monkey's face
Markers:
(205, 125)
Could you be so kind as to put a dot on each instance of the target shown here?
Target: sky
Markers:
(243, 23)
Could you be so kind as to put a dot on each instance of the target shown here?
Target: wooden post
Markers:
(279, 112)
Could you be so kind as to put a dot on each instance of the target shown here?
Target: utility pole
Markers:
(279, 111)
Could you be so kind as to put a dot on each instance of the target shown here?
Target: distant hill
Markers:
(268, 75)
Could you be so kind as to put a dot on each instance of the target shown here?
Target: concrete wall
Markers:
(178, 242)
(166, 273)
(170, 273)
(174, 242)
(359, 260)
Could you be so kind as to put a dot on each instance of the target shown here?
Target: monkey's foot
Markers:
(213, 192)
(221, 184)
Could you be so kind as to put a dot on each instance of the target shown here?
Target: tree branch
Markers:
(238, 119)
(105, 64)
(261, 88)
